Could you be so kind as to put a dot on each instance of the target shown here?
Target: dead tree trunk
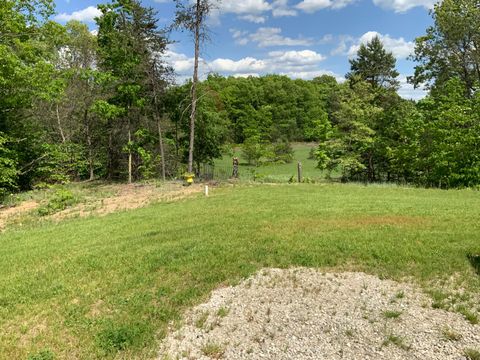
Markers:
(198, 23)
(59, 123)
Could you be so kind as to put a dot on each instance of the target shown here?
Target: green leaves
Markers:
(8, 167)
(374, 65)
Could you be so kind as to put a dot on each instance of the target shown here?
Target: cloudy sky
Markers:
(298, 38)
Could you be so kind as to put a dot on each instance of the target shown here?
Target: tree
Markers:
(451, 47)
(350, 146)
(193, 19)
(129, 44)
(8, 168)
(374, 65)
(29, 45)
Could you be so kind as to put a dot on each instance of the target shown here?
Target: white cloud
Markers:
(268, 36)
(257, 19)
(281, 8)
(245, 65)
(310, 6)
(255, 11)
(297, 58)
(407, 91)
(404, 5)
(87, 15)
(296, 64)
(244, 6)
(400, 48)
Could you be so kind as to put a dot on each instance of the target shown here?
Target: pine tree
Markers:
(374, 65)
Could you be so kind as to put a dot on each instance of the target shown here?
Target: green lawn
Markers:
(276, 172)
(107, 287)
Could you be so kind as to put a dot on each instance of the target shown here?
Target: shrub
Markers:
(62, 199)
(253, 150)
(8, 169)
(283, 152)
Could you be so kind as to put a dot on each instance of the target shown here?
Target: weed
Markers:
(397, 341)
(472, 354)
(213, 350)
(468, 314)
(392, 314)
(222, 312)
(450, 334)
(61, 200)
(42, 355)
(201, 320)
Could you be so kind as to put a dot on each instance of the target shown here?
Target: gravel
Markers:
(305, 314)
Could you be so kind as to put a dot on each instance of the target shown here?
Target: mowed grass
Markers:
(108, 287)
(276, 172)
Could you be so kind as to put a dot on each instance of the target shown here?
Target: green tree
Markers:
(129, 42)
(8, 168)
(374, 65)
(451, 46)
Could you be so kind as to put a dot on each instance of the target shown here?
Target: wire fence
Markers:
(210, 172)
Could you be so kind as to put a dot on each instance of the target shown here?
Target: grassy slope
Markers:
(277, 172)
(106, 287)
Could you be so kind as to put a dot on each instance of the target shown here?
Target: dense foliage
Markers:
(75, 106)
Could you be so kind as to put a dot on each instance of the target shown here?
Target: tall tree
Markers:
(374, 65)
(129, 42)
(193, 19)
(451, 47)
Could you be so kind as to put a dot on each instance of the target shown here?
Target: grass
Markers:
(472, 354)
(213, 350)
(108, 287)
(450, 334)
(392, 314)
(277, 172)
(397, 341)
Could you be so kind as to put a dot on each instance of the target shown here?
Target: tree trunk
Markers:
(162, 150)
(89, 143)
(193, 114)
(159, 125)
(129, 153)
(59, 123)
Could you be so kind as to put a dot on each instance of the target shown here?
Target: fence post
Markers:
(299, 170)
(235, 168)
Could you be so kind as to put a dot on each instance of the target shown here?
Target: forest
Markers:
(77, 105)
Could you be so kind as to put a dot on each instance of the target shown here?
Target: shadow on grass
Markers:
(475, 262)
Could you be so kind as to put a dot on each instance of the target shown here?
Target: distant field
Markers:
(277, 172)
(107, 287)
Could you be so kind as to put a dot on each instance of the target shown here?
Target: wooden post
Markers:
(299, 169)
(235, 168)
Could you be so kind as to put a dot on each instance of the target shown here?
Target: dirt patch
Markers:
(128, 197)
(12, 212)
(305, 314)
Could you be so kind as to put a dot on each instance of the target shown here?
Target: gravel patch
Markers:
(305, 314)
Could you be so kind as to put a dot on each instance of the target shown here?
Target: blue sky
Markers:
(298, 38)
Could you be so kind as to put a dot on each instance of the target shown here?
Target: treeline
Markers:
(78, 106)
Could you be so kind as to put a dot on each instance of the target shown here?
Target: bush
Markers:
(253, 150)
(61, 163)
(283, 152)
(8, 169)
(61, 200)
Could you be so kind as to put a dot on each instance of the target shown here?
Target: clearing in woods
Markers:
(109, 286)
